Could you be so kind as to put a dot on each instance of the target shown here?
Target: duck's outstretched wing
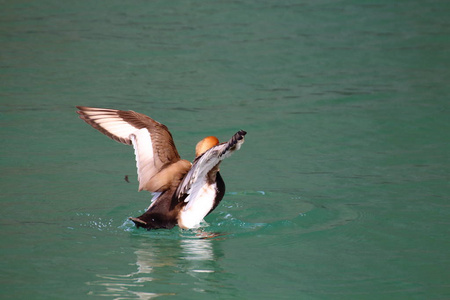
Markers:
(206, 162)
(157, 159)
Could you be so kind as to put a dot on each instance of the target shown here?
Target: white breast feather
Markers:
(200, 202)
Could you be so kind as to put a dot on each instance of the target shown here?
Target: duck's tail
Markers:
(151, 220)
(138, 222)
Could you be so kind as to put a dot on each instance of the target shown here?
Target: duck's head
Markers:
(205, 144)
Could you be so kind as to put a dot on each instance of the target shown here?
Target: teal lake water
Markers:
(341, 190)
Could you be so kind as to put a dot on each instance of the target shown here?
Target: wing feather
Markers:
(157, 160)
(206, 162)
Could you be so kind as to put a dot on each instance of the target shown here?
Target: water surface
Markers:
(340, 191)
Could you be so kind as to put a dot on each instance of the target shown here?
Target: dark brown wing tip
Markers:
(241, 132)
(81, 111)
(236, 137)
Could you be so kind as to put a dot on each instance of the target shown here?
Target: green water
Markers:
(340, 191)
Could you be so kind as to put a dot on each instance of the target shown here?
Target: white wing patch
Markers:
(143, 150)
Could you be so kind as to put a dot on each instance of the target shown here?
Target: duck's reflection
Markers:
(165, 264)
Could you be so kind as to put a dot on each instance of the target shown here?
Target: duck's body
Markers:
(184, 193)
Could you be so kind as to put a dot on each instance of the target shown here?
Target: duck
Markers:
(184, 193)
